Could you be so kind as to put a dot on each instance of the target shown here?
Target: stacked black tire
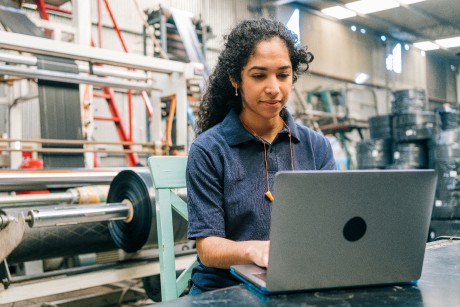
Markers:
(402, 139)
(413, 138)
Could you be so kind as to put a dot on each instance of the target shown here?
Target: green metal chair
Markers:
(168, 172)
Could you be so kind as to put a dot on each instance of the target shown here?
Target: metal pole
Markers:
(78, 214)
(72, 78)
(23, 180)
(33, 199)
(82, 67)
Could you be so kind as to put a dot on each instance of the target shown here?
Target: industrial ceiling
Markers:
(427, 20)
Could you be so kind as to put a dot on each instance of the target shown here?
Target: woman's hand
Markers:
(221, 253)
(258, 252)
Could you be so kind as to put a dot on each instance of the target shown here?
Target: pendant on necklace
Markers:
(269, 196)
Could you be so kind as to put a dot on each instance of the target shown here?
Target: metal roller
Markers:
(65, 215)
(25, 180)
(79, 195)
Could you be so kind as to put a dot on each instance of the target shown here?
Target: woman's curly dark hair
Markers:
(219, 97)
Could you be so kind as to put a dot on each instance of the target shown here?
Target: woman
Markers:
(246, 136)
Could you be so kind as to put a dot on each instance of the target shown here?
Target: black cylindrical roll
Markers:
(408, 101)
(450, 117)
(448, 137)
(410, 155)
(414, 126)
(62, 241)
(373, 154)
(137, 188)
(380, 127)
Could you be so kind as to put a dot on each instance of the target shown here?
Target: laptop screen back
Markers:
(338, 229)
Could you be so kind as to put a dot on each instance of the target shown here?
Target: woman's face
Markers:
(266, 80)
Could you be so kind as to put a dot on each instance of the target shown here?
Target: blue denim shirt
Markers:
(226, 183)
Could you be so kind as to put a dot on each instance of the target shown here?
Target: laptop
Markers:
(336, 229)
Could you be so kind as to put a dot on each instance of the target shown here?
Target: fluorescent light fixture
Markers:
(294, 24)
(409, 1)
(338, 12)
(449, 42)
(371, 6)
(361, 77)
(426, 46)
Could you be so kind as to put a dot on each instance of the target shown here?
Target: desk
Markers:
(438, 286)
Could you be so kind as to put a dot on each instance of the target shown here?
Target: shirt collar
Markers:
(235, 133)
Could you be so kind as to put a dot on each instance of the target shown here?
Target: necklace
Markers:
(269, 194)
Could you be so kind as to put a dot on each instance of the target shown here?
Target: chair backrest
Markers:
(168, 172)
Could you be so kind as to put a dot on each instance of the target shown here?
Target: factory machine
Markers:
(67, 228)
(108, 232)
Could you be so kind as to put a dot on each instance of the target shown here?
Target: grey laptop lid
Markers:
(353, 228)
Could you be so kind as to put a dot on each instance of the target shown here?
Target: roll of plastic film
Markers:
(414, 126)
(450, 117)
(409, 155)
(448, 137)
(136, 187)
(374, 154)
(380, 127)
(408, 101)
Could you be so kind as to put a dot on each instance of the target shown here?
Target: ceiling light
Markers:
(383, 38)
(449, 42)
(360, 78)
(422, 53)
(353, 28)
(426, 46)
(371, 6)
(406, 47)
(338, 12)
(363, 31)
(409, 1)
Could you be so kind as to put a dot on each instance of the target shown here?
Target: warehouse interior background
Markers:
(98, 86)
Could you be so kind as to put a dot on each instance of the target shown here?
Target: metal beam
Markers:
(37, 45)
(26, 291)
(72, 78)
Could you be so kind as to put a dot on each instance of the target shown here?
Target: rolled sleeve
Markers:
(204, 195)
(328, 161)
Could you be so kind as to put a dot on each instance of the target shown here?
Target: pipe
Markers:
(23, 180)
(61, 216)
(82, 195)
(34, 199)
(72, 78)
(82, 67)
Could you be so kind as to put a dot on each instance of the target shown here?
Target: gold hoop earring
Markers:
(236, 91)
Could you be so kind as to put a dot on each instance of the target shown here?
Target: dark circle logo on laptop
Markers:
(354, 229)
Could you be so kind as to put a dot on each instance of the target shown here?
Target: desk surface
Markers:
(438, 286)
